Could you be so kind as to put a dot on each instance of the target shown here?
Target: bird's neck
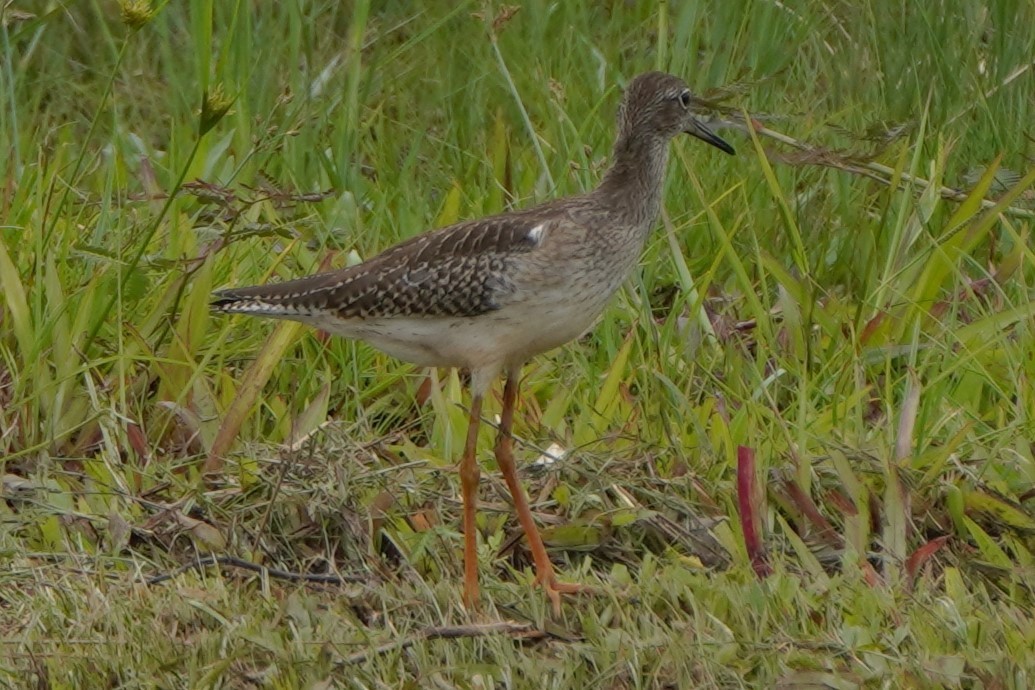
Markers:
(633, 183)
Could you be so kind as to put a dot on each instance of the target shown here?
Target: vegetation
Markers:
(830, 349)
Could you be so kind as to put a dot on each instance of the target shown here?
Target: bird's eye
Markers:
(684, 99)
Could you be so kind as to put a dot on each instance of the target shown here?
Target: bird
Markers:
(487, 295)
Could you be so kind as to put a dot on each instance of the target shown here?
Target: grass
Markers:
(838, 365)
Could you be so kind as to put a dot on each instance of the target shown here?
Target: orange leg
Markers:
(544, 574)
(469, 475)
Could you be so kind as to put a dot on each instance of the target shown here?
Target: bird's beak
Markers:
(697, 129)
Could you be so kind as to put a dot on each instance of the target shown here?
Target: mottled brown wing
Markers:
(460, 270)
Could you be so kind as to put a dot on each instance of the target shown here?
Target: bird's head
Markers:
(661, 105)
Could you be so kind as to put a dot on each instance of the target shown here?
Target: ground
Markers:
(795, 452)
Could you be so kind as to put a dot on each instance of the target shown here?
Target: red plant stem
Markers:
(749, 517)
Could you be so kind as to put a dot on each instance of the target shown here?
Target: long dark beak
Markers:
(697, 129)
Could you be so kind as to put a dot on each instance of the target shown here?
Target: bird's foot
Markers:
(555, 588)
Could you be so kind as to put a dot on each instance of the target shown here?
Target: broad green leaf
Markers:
(997, 507)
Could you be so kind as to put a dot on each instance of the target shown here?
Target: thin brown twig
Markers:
(276, 573)
(879, 172)
(449, 632)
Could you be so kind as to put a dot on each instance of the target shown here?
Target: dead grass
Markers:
(795, 453)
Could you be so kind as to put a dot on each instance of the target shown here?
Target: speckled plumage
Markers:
(446, 273)
(488, 294)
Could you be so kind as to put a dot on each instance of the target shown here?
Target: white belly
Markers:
(495, 340)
